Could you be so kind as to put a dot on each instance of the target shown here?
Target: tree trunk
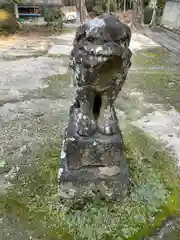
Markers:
(141, 10)
(154, 6)
(137, 14)
(16, 12)
(84, 14)
(124, 6)
(108, 6)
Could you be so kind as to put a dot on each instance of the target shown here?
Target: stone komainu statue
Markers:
(92, 155)
(100, 60)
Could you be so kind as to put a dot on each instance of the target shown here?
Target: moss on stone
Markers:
(153, 196)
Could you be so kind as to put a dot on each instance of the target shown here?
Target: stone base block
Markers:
(92, 165)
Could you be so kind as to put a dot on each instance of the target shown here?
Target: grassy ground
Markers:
(154, 196)
(33, 201)
(156, 73)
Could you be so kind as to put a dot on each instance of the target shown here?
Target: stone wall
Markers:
(171, 15)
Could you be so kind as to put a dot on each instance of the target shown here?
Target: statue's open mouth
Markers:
(92, 55)
(99, 40)
(105, 50)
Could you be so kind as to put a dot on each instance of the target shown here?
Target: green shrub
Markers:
(8, 23)
(54, 17)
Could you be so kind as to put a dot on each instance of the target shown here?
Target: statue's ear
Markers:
(81, 32)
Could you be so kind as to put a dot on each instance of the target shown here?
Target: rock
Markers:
(12, 174)
(3, 166)
(38, 114)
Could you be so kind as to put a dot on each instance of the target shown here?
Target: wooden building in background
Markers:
(50, 2)
(34, 8)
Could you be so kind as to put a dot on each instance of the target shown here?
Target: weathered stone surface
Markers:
(92, 157)
(109, 171)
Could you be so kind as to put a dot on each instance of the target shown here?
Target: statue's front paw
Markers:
(85, 126)
(108, 129)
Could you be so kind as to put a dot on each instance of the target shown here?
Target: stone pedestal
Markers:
(92, 165)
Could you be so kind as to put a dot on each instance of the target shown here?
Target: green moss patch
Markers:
(153, 196)
(155, 72)
(58, 87)
(155, 57)
(158, 86)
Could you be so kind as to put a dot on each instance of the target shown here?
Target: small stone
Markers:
(170, 135)
(2, 164)
(71, 192)
(171, 83)
(38, 114)
(109, 171)
(12, 174)
(23, 149)
(66, 190)
(3, 167)
(109, 194)
(60, 173)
